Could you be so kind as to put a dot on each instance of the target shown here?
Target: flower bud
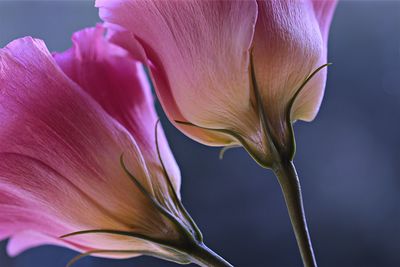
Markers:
(231, 73)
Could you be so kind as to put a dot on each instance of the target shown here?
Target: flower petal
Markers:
(288, 46)
(116, 81)
(199, 57)
(29, 239)
(309, 101)
(119, 84)
(324, 12)
(59, 157)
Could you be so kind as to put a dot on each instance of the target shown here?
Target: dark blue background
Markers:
(348, 158)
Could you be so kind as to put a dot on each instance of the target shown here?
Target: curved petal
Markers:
(59, 157)
(25, 240)
(324, 12)
(29, 239)
(307, 105)
(199, 57)
(119, 84)
(288, 46)
(125, 39)
(116, 81)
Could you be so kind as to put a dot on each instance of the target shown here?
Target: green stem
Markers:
(205, 257)
(290, 184)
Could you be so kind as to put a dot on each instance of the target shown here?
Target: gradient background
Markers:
(348, 159)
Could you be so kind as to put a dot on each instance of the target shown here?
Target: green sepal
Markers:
(177, 201)
(232, 133)
(290, 107)
(224, 149)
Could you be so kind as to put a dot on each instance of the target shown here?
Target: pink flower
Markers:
(230, 72)
(65, 124)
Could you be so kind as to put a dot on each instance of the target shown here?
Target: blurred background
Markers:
(348, 159)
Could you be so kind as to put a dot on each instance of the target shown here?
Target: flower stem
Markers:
(205, 257)
(290, 184)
